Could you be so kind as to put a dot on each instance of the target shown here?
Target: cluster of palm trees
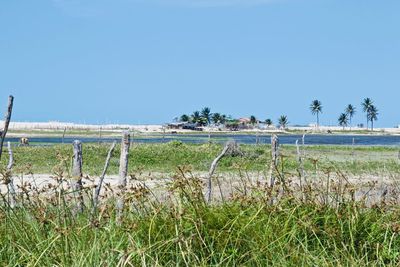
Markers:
(205, 117)
(345, 118)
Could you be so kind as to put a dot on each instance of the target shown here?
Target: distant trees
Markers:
(371, 111)
(253, 120)
(373, 115)
(343, 120)
(206, 117)
(216, 118)
(185, 118)
(195, 117)
(366, 105)
(316, 109)
(206, 114)
(350, 112)
(283, 121)
(268, 122)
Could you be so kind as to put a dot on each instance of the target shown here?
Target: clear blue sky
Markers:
(147, 61)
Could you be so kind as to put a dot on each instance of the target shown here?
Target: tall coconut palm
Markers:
(343, 120)
(216, 118)
(206, 114)
(184, 118)
(283, 122)
(223, 119)
(196, 117)
(253, 120)
(316, 109)
(350, 112)
(268, 122)
(373, 115)
(366, 105)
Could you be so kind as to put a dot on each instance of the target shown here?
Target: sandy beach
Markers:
(43, 128)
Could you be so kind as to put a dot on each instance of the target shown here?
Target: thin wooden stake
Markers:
(10, 184)
(301, 165)
(6, 123)
(77, 175)
(65, 129)
(274, 158)
(123, 171)
(214, 164)
(98, 187)
(100, 134)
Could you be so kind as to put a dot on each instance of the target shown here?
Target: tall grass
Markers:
(284, 225)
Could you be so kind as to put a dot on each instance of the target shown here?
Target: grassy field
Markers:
(260, 226)
(166, 157)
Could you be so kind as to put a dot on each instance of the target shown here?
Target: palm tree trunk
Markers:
(372, 125)
(350, 123)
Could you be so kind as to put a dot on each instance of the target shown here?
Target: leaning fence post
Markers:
(123, 171)
(77, 175)
(230, 146)
(98, 187)
(274, 158)
(10, 182)
(6, 122)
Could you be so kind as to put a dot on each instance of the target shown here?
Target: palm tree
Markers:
(185, 118)
(373, 115)
(196, 117)
(350, 111)
(206, 114)
(253, 120)
(366, 105)
(216, 118)
(283, 122)
(343, 120)
(316, 109)
(268, 122)
(223, 119)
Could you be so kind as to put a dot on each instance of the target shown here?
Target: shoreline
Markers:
(53, 129)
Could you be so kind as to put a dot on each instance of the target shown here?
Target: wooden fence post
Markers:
(274, 159)
(76, 183)
(100, 134)
(10, 182)
(123, 171)
(6, 123)
(63, 136)
(230, 146)
(98, 187)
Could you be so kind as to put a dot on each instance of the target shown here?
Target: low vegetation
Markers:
(166, 157)
(256, 224)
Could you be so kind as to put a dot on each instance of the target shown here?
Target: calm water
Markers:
(243, 139)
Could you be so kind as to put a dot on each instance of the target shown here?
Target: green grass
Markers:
(183, 230)
(166, 157)
(234, 233)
